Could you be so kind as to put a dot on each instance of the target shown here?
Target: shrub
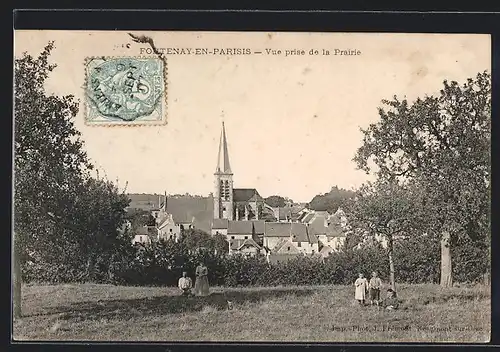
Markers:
(162, 263)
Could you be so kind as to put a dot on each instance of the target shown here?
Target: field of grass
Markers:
(298, 314)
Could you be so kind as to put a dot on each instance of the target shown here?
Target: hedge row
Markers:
(162, 264)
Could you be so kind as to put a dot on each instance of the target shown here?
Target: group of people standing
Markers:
(201, 287)
(363, 288)
(372, 288)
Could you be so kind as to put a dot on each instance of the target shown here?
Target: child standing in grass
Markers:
(361, 287)
(375, 285)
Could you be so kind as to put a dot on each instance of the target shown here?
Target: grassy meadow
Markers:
(298, 314)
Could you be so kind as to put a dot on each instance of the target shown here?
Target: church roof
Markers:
(223, 156)
(240, 227)
(246, 195)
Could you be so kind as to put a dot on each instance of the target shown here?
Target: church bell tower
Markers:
(223, 195)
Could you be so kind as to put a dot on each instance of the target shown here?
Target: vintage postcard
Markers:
(246, 186)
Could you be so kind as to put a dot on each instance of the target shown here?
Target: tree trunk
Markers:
(89, 273)
(390, 251)
(446, 268)
(17, 280)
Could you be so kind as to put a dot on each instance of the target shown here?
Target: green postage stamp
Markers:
(125, 91)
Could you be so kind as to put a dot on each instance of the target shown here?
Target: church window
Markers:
(288, 247)
(170, 230)
(299, 244)
(232, 237)
(223, 208)
(140, 239)
(171, 236)
(246, 237)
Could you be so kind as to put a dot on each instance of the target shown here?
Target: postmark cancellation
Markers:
(125, 91)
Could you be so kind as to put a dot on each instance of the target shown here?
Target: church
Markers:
(233, 203)
(241, 215)
(238, 214)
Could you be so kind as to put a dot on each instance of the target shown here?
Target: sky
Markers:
(292, 122)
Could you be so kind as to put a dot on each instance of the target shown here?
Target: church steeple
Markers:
(223, 166)
(223, 195)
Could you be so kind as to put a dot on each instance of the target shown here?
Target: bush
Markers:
(162, 263)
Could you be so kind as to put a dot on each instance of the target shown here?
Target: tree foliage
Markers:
(64, 219)
(386, 209)
(49, 159)
(442, 143)
(331, 201)
(275, 201)
(196, 239)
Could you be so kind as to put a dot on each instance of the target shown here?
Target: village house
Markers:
(235, 213)
(243, 236)
(144, 235)
(167, 228)
(247, 247)
(288, 237)
(219, 227)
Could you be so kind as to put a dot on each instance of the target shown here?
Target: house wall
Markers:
(169, 231)
(251, 251)
(141, 239)
(186, 225)
(306, 247)
(238, 236)
(336, 243)
(289, 248)
(323, 239)
(220, 231)
(271, 242)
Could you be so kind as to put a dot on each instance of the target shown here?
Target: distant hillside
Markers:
(330, 201)
(183, 207)
(148, 201)
(144, 201)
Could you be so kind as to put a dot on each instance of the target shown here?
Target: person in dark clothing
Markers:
(391, 302)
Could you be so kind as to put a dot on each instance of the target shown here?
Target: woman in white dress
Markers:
(361, 285)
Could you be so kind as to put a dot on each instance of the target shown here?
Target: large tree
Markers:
(63, 217)
(442, 143)
(386, 209)
(49, 159)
